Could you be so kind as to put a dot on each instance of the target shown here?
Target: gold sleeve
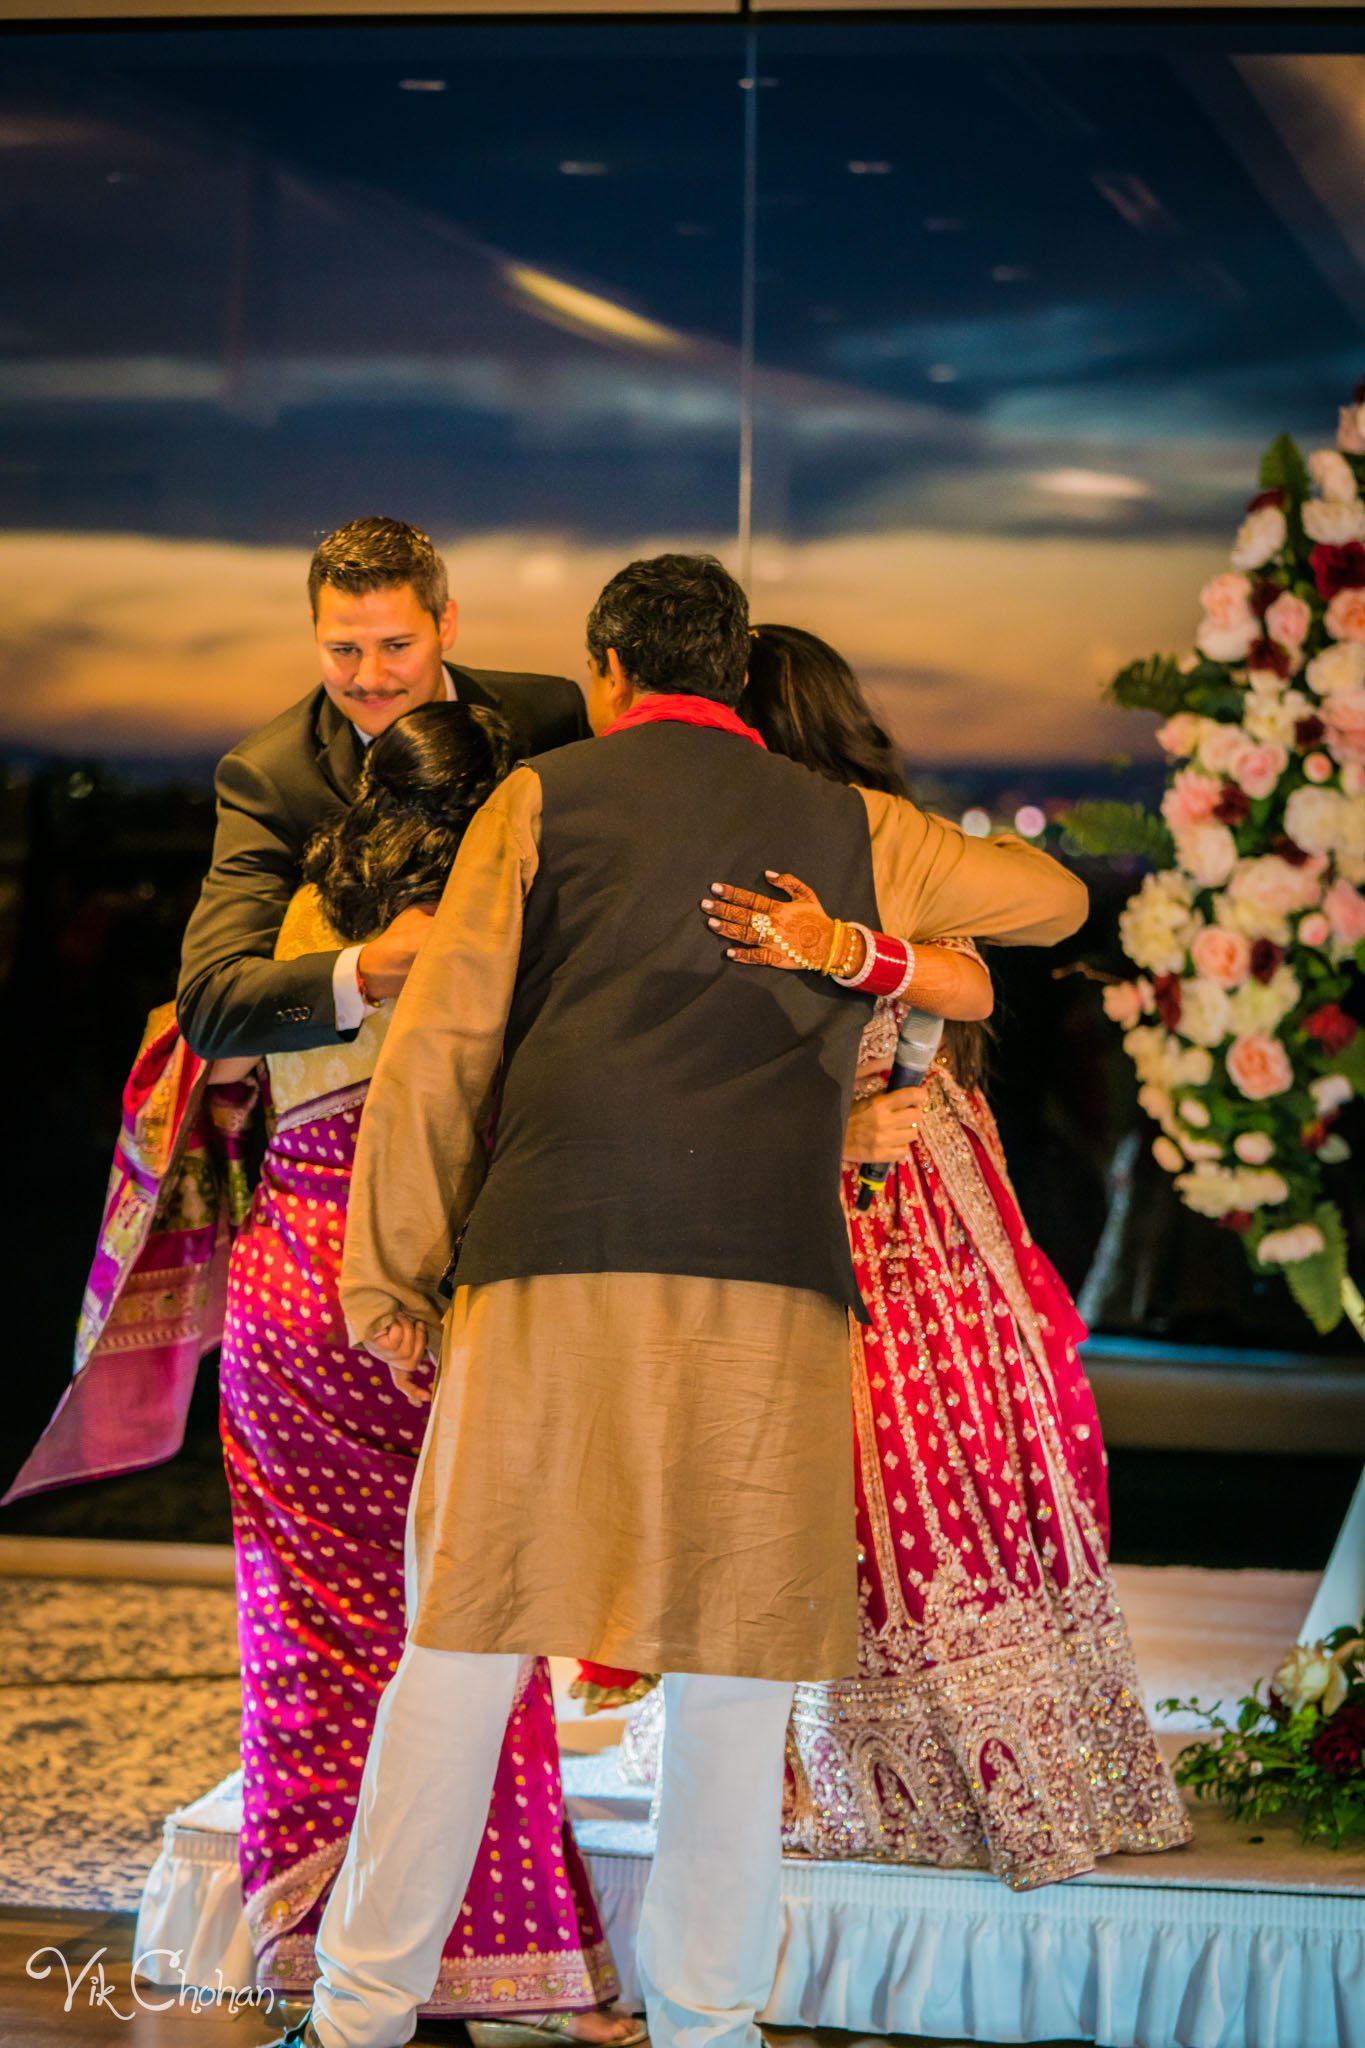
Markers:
(932, 881)
(421, 1154)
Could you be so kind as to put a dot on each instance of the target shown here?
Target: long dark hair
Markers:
(808, 704)
(421, 782)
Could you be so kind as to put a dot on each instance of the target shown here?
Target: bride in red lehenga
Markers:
(996, 1718)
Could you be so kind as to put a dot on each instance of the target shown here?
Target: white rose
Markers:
(1212, 1190)
(1287, 1247)
(1203, 1012)
(1164, 1061)
(1156, 1103)
(1339, 667)
(1332, 474)
(1333, 522)
(1156, 925)
(1260, 535)
(1208, 853)
(1271, 713)
(1313, 818)
(1168, 1154)
(1263, 1005)
(1195, 1112)
(1253, 1148)
(1329, 1092)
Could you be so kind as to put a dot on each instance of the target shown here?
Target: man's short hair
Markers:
(677, 622)
(379, 554)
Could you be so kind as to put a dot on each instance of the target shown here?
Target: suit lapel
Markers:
(469, 691)
(338, 750)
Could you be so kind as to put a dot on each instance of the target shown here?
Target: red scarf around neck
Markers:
(681, 709)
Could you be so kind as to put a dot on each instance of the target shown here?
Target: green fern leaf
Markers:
(1284, 469)
(1152, 685)
(1111, 828)
(1316, 1283)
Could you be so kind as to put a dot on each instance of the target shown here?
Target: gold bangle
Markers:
(835, 942)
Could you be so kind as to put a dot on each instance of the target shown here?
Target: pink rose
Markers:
(1257, 769)
(1258, 1066)
(1314, 929)
(1227, 599)
(1222, 956)
(1318, 768)
(1344, 717)
(1190, 800)
(1219, 749)
(1345, 909)
(1179, 734)
(1126, 1002)
(1253, 1148)
(1351, 430)
(1275, 886)
(1353, 778)
(1345, 618)
(1288, 620)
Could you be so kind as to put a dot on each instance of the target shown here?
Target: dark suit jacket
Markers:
(274, 790)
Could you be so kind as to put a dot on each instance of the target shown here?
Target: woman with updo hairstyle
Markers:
(321, 1453)
(995, 1719)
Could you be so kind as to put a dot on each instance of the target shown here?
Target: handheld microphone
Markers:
(915, 1049)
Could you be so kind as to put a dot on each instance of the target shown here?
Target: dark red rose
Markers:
(1331, 1027)
(1268, 654)
(1308, 731)
(1339, 1745)
(1265, 958)
(1289, 849)
(1337, 569)
(1233, 806)
(1264, 592)
(1314, 1136)
(1262, 498)
(1166, 992)
(1239, 1220)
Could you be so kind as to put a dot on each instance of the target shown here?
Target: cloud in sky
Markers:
(974, 648)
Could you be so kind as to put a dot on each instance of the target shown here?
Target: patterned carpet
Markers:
(119, 1702)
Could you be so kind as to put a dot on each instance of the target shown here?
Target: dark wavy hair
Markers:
(421, 782)
(808, 704)
(678, 622)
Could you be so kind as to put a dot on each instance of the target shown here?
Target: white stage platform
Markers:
(1244, 1940)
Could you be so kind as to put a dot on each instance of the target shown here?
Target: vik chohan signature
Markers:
(161, 1968)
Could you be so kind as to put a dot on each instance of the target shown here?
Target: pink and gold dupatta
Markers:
(154, 1301)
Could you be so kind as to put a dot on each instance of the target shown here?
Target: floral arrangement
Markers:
(1248, 930)
(1301, 1748)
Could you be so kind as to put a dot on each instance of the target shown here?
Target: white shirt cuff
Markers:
(351, 1007)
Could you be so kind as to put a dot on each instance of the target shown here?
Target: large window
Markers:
(959, 340)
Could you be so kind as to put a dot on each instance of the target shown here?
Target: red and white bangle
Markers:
(888, 965)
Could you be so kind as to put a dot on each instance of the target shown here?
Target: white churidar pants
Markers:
(709, 1926)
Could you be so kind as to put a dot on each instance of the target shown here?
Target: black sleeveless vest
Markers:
(663, 1109)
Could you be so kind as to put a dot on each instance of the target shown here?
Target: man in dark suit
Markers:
(384, 621)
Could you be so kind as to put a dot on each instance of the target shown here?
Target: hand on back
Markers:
(386, 962)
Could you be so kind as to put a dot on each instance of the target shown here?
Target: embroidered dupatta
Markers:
(153, 1304)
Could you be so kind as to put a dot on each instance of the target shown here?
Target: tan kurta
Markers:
(647, 1470)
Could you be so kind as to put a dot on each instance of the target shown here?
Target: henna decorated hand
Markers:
(764, 932)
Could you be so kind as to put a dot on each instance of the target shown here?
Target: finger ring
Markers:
(762, 924)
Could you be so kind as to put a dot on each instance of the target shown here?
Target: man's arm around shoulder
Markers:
(234, 997)
(934, 881)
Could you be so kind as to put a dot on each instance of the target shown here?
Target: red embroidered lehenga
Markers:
(995, 1719)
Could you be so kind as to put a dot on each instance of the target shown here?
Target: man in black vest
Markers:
(641, 1445)
(384, 619)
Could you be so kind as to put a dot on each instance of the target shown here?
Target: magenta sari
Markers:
(321, 1452)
